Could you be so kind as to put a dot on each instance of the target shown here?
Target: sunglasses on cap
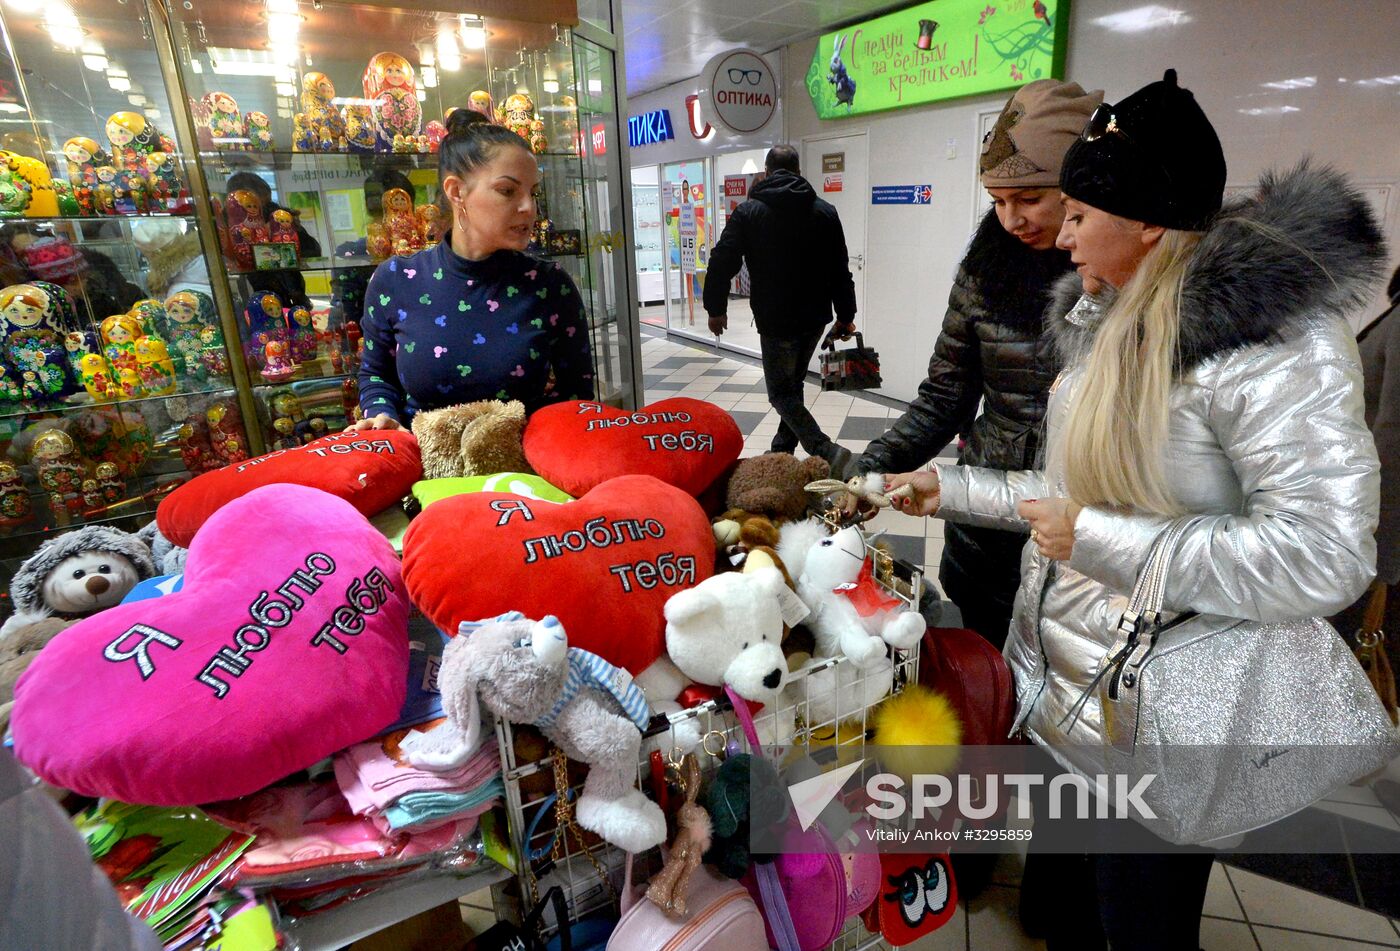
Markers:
(1104, 122)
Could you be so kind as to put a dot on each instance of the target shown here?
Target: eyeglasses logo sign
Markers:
(742, 91)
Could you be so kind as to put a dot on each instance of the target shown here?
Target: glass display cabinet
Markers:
(115, 381)
(317, 126)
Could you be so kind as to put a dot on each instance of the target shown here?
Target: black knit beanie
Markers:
(1158, 161)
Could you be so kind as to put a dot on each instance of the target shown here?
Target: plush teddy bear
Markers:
(727, 631)
(480, 438)
(850, 613)
(18, 649)
(77, 574)
(524, 671)
(773, 485)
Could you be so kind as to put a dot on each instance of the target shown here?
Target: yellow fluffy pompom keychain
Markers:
(917, 731)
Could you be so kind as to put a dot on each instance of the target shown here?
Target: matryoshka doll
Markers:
(277, 362)
(259, 132)
(92, 495)
(400, 223)
(436, 132)
(284, 230)
(213, 354)
(15, 507)
(119, 335)
(155, 367)
(110, 482)
(359, 129)
(131, 194)
(389, 79)
(84, 157)
(57, 462)
(104, 194)
(32, 315)
(286, 433)
(377, 243)
(480, 101)
(195, 451)
(265, 321)
(432, 225)
(320, 125)
(151, 313)
(246, 227)
(187, 313)
(226, 122)
(226, 432)
(303, 335)
(201, 113)
(519, 114)
(97, 377)
(168, 191)
(132, 139)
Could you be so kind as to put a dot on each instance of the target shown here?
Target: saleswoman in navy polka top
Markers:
(474, 317)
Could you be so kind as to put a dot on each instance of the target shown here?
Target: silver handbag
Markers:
(1242, 722)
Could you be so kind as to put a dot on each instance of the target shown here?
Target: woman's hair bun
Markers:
(463, 120)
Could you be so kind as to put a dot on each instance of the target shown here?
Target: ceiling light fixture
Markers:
(286, 89)
(95, 62)
(62, 25)
(430, 76)
(1269, 111)
(473, 30)
(550, 85)
(1139, 19)
(119, 83)
(449, 57)
(1301, 82)
(242, 62)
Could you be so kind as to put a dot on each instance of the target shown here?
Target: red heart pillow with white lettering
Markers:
(604, 564)
(288, 641)
(370, 470)
(683, 442)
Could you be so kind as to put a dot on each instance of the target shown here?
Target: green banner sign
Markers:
(935, 51)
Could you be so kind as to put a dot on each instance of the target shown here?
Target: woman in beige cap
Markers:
(991, 345)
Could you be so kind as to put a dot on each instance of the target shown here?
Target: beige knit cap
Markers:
(1035, 129)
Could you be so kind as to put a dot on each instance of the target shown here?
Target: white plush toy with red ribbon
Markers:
(850, 613)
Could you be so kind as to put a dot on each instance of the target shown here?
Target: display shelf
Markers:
(15, 410)
(314, 265)
(283, 161)
(150, 488)
(339, 927)
(89, 219)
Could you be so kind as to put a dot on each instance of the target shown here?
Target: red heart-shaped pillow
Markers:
(370, 470)
(288, 641)
(683, 442)
(604, 564)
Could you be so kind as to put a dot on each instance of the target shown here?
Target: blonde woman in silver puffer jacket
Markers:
(1211, 380)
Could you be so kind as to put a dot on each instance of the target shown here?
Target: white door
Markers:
(836, 167)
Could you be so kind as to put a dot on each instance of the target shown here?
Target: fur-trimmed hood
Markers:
(1011, 278)
(1304, 247)
(26, 586)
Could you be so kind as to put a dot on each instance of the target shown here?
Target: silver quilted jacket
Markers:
(1268, 447)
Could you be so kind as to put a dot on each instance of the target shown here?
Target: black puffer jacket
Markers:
(796, 252)
(991, 348)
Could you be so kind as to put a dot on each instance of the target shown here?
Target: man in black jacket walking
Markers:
(796, 252)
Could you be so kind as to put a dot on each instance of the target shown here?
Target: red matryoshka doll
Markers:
(389, 79)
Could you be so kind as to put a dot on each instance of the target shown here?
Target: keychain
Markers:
(693, 832)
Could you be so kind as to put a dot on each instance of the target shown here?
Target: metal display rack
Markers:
(591, 876)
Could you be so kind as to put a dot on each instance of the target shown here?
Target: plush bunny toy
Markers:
(525, 671)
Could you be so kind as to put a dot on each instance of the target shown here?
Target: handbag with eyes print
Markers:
(917, 897)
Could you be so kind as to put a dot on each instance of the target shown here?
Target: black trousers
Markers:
(980, 572)
(785, 361)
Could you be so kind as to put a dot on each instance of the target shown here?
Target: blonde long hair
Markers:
(1114, 446)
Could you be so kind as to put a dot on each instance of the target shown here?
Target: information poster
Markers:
(687, 232)
(935, 51)
(736, 192)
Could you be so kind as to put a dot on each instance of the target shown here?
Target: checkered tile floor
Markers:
(672, 369)
(1244, 910)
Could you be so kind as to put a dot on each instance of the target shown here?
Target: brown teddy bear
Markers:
(772, 485)
(17, 651)
(481, 438)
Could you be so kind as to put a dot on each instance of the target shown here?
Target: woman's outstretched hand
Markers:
(914, 493)
(382, 421)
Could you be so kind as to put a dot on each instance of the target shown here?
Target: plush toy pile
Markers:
(579, 574)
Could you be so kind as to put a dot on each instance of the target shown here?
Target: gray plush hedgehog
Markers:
(77, 574)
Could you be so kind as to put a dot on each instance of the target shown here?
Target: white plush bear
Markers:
(849, 614)
(78, 574)
(725, 631)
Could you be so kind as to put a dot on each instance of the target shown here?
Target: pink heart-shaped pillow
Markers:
(683, 442)
(288, 641)
(370, 470)
(604, 564)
